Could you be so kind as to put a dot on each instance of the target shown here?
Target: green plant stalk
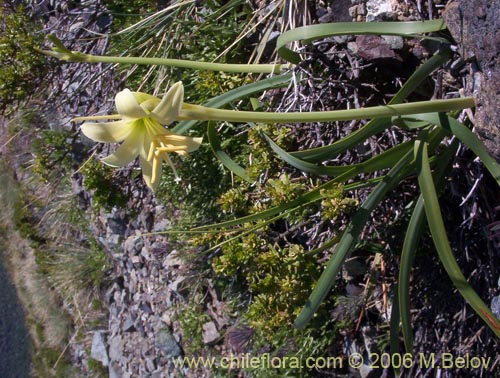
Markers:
(384, 160)
(190, 112)
(180, 63)
(63, 53)
(412, 238)
(440, 239)
(236, 94)
(467, 137)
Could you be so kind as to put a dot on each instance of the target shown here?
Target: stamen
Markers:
(152, 148)
(172, 149)
(154, 174)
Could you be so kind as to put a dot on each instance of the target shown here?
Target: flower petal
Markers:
(170, 106)
(127, 152)
(127, 105)
(142, 97)
(107, 132)
(146, 145)
(192, 144)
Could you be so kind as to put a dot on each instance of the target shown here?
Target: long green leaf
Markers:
(376, 126)
(412, 238)
(235, 94)
(223, 156)
(440, 239)
(384, 160)
(314, 32)
(410, 244)
(350, 237)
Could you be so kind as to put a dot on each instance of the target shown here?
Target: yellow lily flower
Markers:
(139, 126)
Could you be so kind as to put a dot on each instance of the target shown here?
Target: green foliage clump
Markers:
(53, 150)
(282, 279)
(334, 203)
(279, 278)
(125, 12)
(191, 318)
(283, 189)
(74, 269)
(21, 67)
(24, 221)
(209, 84)
(234, 201)
(106, 193)
(202, 181)
(263, 160)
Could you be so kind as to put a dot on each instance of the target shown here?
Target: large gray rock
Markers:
(475, 26)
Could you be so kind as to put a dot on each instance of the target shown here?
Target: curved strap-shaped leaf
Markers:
(314, 32)
(440, 239)
(223, 156)
(235, 94)
(376, 126)
(410, 245)
(384, 160)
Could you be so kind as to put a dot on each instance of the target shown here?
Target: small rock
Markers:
(210, 333)
(378, 10)
(116, 345)
(98, 350)
(162, 225)
(352, 47)
(150, 365)
(116, 222)
(115, 371)
(128, 324)
(165, 341)
(495, 306)
(395, 42)
(372, 47)
(133, 245)
(113, 241)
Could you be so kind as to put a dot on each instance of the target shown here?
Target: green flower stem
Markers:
(225, 67)
(197, 112)
(63, 53)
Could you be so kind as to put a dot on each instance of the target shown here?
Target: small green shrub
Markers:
(53, 150)
(192, 317)
(21, 68)
(99, 180)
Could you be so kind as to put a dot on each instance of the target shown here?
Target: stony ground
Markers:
(149, 275)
